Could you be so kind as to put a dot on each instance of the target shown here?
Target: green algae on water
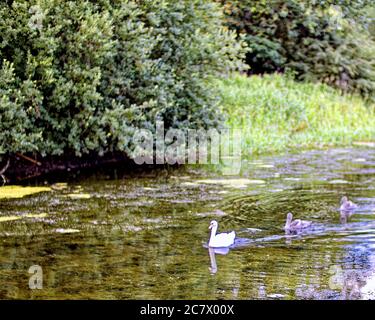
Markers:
(14, 192)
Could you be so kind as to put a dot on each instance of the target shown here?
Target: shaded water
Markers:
(114, 236)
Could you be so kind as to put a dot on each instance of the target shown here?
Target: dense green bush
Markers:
(80, 76)
(327, 41)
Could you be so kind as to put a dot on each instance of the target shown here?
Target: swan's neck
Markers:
(213, 233)
(287, 223)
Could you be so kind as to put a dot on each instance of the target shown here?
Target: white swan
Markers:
(222, 239)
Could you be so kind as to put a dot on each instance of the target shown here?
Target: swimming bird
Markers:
(222, 239)
(347, 205)
(293, 225)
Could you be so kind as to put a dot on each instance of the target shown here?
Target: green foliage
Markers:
(327, 41)
(80, 76)
(17, 104)
(276, 113)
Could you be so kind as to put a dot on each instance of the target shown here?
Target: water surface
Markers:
(118, 236)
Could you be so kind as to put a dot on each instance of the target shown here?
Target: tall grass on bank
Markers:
(277, 114)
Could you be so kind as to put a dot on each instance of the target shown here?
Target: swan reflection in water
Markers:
(212, 252)
(345, 215)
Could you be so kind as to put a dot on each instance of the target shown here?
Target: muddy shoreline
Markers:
(19, 168)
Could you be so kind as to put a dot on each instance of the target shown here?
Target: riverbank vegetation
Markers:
(276, 113)
(77, 78)
(318, 41)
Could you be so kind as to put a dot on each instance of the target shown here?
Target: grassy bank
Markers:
(277, 113)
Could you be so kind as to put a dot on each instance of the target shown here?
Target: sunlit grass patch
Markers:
(277, 113)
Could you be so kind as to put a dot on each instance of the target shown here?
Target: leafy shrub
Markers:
(324, 41)
(80, 76)
(15, 104)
